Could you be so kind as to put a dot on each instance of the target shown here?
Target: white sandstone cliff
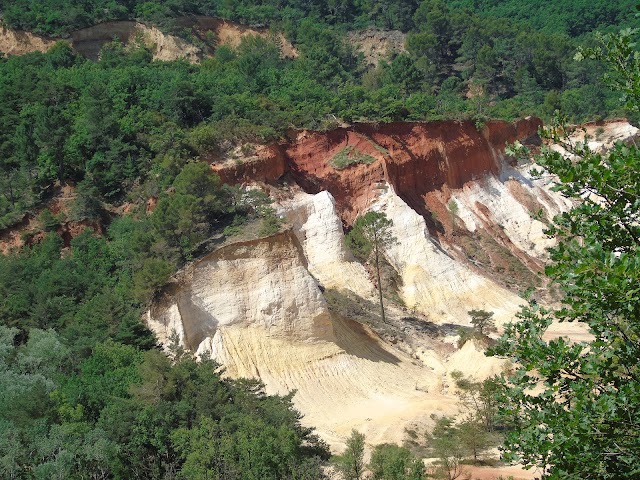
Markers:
(432, 281)
(254, 307)
(317, 226)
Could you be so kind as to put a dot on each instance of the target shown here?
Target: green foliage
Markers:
(620, 53)
(481, 421)
(575, 405)
(391, 462)
(444, 444)
(351, 463)
(150, 277)
(575, 17)
(235, 227)
(482, 321)
(349, 156)
(185, 217)
(271, 223)
(369, 234)
(87, 203)
(453, 440)
(388, 461)
(122, 413)
(49, 221)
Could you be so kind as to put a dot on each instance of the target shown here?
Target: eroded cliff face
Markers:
(262, 283)
(256, 308)
(461, 211)
(415, 158)
(17, 42)
(317, 226)
(268, 165)
(450, 173)
(88, 41)
(166, 47)
(434, 283)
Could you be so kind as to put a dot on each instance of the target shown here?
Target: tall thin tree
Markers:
(370, 235)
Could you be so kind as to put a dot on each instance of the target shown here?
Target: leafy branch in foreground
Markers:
(577, 405)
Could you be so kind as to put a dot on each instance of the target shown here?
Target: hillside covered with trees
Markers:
(105, 124)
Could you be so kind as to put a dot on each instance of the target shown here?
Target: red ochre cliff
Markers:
(415, 158)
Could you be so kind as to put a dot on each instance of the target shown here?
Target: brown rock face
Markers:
(309, 162)
(19, 42)
(267, 166)
(416, 158)
(498, 134)
(88, 41)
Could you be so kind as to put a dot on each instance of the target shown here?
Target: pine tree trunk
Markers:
(384, 320)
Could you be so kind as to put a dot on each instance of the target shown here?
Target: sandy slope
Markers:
(257, 307)
(433, 282)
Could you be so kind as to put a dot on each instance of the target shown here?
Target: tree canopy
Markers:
(370, 235)
(576, 405)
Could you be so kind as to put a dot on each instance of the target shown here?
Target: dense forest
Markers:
(107, 124)
(573, 18)
(59, 17)
(85, 390)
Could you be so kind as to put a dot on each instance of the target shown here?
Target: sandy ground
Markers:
(493, 473)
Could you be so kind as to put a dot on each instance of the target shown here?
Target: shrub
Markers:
(350, 156)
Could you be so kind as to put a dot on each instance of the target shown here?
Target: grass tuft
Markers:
(349, 156)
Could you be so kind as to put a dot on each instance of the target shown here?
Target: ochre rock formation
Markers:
(267, 165)
(451, 173)
(257, 307)
(88, 41)
(414, 158)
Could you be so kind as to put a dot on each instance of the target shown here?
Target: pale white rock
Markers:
(317, 226)
(540, 187)
(503, 209)
(433, 282)
(254, 307)
(473, 363)
(606, 136)
(263, 283)
(165, 323)
(515, 198)
(601, 137)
